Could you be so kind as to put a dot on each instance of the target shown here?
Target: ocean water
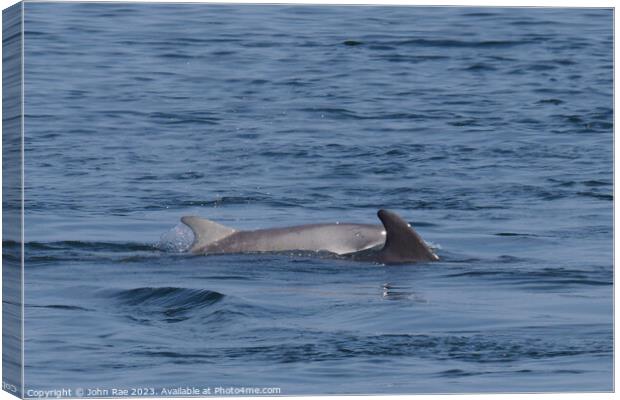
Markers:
(489, 129)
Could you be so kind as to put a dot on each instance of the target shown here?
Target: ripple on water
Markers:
(170, 304)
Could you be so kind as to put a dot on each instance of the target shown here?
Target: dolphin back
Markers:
(402, 243)
(205, 232)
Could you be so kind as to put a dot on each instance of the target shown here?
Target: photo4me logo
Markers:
(234, 391)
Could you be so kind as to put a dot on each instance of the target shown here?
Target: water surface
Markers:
(489, 129)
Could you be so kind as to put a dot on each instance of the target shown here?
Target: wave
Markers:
(168, 296)
(475, 348)
(170, 304)
(85, 245)
(60, 307)
(440, 43)
(545, 279)
(43, 253)
(343, 113)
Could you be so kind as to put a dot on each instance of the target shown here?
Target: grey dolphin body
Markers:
(394, 242)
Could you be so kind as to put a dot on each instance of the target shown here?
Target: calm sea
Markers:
(489, 129)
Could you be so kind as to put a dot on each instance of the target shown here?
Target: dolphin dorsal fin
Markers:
(205, 231)
(402, 243)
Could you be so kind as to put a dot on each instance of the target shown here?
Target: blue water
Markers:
(489, 129)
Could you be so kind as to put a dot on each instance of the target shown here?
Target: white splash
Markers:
(176, 240)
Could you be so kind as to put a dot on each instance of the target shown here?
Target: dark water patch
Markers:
(82, 131)
(14, 118)
(574, 119)
(381, 47)
(533, 22)
(174, 357)
(448, 43)
(397, 116)
(11, 244)
(602, 113)
(562, 183)
(480, 14)
(528, 121)
(76, 93)
(596, 183)
(338, 113)
(464, 122)
(599, 196)
(13, 303)
(352, 43)
(179, 56)
(184, 118)
(50, 253)
(598, 125)
(112, 114)
(565, 61)
(515, 234)
(581, 121)
(224, 278)
(506, 259)
(480, 67)
(223, 53)
(396, 152)
(457, 373)
(251, 136)
(60, 307)
(555, 102)
(88, 246)
(540, 67)
(91, 246)
(502, 58)
(147, 177)
(309, 44)
(409, 58)
(259, 81)
(260, 45)
(294, 82)
(27, 32)
(386, 169)
(38, 116)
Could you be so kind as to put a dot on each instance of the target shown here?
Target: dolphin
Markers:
(393, 243)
